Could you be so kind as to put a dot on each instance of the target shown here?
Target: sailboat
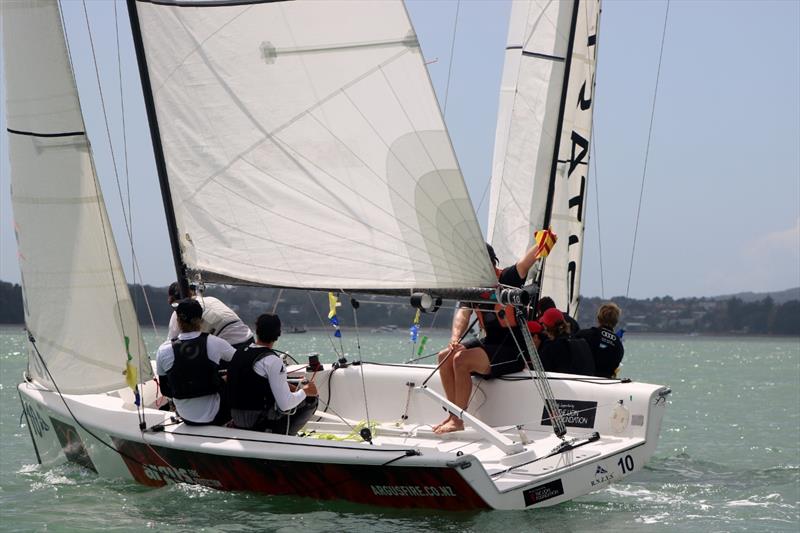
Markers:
(300, 144)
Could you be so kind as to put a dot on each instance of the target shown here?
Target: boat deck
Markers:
(540, 458)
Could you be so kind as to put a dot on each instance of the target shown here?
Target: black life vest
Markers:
(246, 389)
(581, 358)
(192, 374)
(567, 355)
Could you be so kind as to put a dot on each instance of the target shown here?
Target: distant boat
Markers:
(295, 329)
(385, 329)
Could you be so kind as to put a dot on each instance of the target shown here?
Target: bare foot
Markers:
(454, 424)
(440, 424)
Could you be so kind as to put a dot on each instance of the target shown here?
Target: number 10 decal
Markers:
(625, 463)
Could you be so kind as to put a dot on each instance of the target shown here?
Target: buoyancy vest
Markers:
(247, 389)
(506, 314)
(582, 360)
(192, 373)
(567, 355)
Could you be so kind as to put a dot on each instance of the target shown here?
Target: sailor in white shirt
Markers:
(188, 368)
(218, 319)
(261, 398)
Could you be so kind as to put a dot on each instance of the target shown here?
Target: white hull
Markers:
(406, 466)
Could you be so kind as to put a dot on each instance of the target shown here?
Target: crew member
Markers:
(545, 303)
(560, 353)
(188, 368)
(261, 397)
(501, 351)
(606, 347)
(218, 318)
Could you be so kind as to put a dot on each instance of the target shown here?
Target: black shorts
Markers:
(504, 356)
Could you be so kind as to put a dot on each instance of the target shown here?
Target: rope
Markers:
(647, 149)
(450, 66)
(542, 383)
(322, 323)
(354, 304)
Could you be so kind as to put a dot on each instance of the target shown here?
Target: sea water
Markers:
(728, 458)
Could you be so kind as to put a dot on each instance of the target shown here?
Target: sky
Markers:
(721, 198)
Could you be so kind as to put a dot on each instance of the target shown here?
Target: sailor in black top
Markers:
(560, 353)
(607, 349)
(502, 350)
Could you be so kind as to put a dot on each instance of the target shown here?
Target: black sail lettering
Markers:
(577, 201)
(583, 144)
(583, 102)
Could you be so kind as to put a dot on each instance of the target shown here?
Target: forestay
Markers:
(304, 146)
(77, 304)
(546, 95)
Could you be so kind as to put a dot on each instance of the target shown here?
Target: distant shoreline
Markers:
(403, 331)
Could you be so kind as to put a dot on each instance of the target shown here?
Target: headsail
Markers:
(77, 304)
(304, 146)
(542, 141)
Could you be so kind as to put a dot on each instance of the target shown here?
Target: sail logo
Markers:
(171, 474)
(601, 475)
(36, 422)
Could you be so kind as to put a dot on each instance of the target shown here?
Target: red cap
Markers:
(534, 327)
(551, 317)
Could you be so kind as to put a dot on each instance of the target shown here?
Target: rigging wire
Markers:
(450, 65)
(593, 162)
(647, 149)
(127, 217)
(106, 237)
(593, 152)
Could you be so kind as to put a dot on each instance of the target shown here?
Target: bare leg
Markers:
(447, 375)
(464, 363)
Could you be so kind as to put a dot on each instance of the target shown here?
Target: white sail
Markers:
(77, 304)
(304, 146)
(547, 41)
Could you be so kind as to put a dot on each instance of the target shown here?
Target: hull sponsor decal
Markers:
(72, 445)
(36, 422)
(576, 413)
(543, 492)
(388, 486)
(601, 476)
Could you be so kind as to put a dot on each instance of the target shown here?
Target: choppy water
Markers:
(728, 459)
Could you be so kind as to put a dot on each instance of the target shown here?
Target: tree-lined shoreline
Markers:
(748, 313)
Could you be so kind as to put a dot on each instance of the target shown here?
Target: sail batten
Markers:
(540, 162)
(304, 147)
(74, 287)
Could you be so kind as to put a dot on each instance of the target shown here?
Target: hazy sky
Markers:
(721, 204)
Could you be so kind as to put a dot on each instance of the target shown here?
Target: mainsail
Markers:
(541, 155)
(77, 304)
(304, 147)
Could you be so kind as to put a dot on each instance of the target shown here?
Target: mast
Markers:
(158, 152)
(560, 122)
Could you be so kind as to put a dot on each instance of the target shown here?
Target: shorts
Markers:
(504, 356)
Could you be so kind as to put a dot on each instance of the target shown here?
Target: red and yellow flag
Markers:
(545, 240)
